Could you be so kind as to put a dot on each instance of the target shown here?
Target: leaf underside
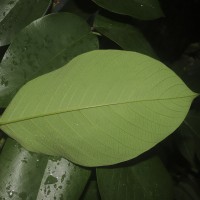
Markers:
(102, 108)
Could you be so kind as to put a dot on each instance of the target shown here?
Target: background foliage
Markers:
(168, 31)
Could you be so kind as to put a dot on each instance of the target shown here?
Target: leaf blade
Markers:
(62, 180)
(126, 36)
(23, 62)
(134, 181)
(16, 14)
(26, 175)
(115, 109)
(143, 9)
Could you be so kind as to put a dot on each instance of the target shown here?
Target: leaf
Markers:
(62, 180)
(20, 173)
(126, 36)
(188, 143)
(46, 44)
(187, 67)
(143, 9)
(147, 179)
(16, 14)
(102, 108)
(91, 192)
(192, 122)
(2, 141)
(188, 189)
(26, 175)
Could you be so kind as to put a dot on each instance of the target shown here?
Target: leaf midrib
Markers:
(90, 107)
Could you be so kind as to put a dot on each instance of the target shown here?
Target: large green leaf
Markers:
(147, 179)
(126, 36)
(46, 44)
(16, 14)
(26, 176)
(104, 107)
(143, 9)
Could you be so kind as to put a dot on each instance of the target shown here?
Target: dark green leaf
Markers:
(20, 172)
(189, 140)
(188, 68)
(187, 145)
(16, 14)
(146, 180)
(44, 45)
(126, 36)
(26, 176)
(2, 141)
(91, 192)
(192, 121)
(188, 189)
(62, 180)
(143, 9)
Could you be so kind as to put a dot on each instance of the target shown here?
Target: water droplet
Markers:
(141, 5)
(11, 193)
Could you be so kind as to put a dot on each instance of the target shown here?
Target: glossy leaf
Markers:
(103, 107)
(16, 14)
(46, 44)
(143, 9)
(20, 172)
(62, 180)
(26, 175)
(147, 179)
(126, 36)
